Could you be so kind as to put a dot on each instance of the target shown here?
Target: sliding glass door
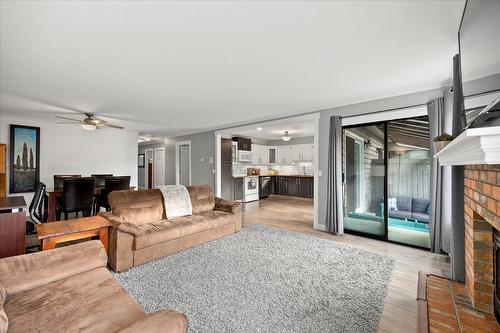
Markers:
(386, 175)
(364, 174)
(408, 181)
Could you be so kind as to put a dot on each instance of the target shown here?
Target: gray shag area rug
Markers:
(264, 279)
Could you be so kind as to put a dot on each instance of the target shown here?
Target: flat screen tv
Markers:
(479, 46)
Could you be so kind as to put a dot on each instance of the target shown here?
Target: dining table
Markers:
(57, 192)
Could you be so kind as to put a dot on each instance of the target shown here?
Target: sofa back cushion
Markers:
(420, 205)
(137, 207)
(202, 198)
(404, 203)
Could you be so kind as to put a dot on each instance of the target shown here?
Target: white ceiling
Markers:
(175, 67)
(275, 132)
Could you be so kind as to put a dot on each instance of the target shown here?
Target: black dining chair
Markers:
(59, 179)
(78, 196)
(37, 210)
(115, 183)
(99, 178)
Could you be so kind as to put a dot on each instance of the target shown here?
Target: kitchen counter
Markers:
(295, 176)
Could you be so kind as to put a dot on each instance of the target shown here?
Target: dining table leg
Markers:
(52, 207)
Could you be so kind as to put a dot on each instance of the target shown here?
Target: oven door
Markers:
(252, 184)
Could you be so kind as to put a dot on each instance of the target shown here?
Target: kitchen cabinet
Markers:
(292, 186)
(305, 187)
(243, 143)
(302, 152)
(272, 155)
(281, 185)
(284, 155)
(259, 154)
(237, 189)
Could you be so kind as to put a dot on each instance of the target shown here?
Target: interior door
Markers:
(184, 165)
(159, 169)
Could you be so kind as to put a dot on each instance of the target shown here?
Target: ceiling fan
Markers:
(90, 123)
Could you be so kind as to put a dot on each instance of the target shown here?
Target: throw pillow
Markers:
(393, 204)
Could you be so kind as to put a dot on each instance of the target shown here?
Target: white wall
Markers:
(68, 149)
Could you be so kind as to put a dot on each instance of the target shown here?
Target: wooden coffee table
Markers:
(52, 233)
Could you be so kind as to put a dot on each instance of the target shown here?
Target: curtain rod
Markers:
(385, 110)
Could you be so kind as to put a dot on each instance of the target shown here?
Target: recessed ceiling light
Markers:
(259, 128)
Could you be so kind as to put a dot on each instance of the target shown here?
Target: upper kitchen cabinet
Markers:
(284, 154)
(303, 152)
(259, 154)
(272, 155)
(243, 143)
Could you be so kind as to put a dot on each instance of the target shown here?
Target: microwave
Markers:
(244, 156)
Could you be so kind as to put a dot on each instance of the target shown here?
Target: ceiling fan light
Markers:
(286, 137)
(89, 127)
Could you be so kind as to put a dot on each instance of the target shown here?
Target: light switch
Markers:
(202, 160)
(211, 160)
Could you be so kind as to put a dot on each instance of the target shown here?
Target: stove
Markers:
(250, 188)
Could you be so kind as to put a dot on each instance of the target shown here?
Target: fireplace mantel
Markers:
(473, 146)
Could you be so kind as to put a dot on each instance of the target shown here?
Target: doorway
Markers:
(183, 163)
(148, 155)
(159, 167)
(386, 175)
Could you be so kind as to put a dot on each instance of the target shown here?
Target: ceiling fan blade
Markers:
(77, 120)
(109, 125)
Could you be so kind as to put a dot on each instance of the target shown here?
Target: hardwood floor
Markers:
(400, 311)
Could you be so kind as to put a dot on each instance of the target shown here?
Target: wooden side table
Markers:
(12, 226)
(52, 233)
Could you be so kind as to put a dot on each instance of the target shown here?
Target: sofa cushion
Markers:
(420, 216)
(202, 198)
(209, 220)
(89, 302)
(156, 233)
(141, 215)
(3, 293)
(400, 214)
(137, 207)
(4, 321)
(419, 205)
(404, 203)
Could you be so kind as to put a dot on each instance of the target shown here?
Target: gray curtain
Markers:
(440, 181)
(334, 212)
(457, 248)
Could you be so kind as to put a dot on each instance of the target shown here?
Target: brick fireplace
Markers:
(482, 217)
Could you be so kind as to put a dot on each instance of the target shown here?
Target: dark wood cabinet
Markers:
(243, 143)
(237, 189)
(303, 187)
(293, 186)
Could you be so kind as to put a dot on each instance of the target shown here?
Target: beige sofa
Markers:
(141, 232)
(69, 289)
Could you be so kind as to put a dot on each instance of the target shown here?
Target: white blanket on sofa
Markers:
(176, 200)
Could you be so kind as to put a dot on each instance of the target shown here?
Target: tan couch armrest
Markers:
(112, 218)
(30, 271)
(227, 206)
(163, 321)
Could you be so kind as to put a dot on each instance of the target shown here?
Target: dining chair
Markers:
(78, 196)
(58, 179)
(99, 178)
(37, 216)
(115, 183)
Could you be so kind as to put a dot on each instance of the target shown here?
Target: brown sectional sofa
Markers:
(69, 289)
(141, 232)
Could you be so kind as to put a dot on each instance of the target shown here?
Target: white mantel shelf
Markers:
(473, 146)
